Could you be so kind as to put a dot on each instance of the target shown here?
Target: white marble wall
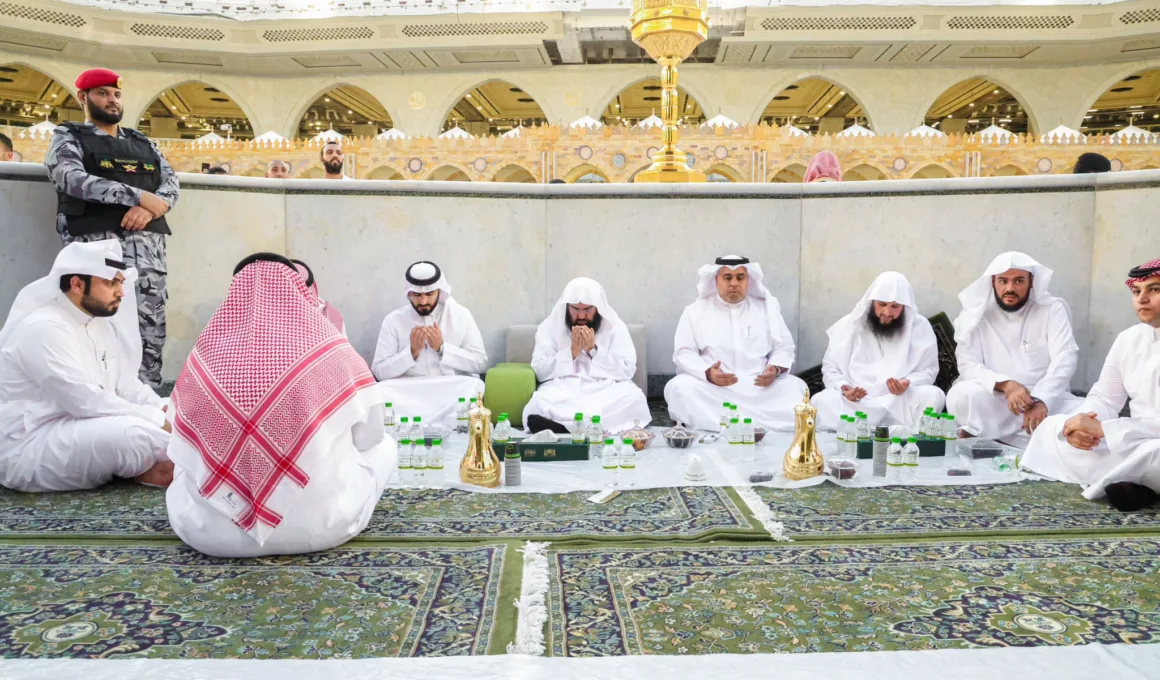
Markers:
(509, 250)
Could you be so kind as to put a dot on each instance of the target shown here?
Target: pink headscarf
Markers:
(824, 165)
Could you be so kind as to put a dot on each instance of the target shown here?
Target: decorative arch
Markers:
(384, 172)
(449, 173)
(1010, 170)
(793, 173)
(585, 169)
(532, 91)
(514, 173)
(302, 106)
(863, 172)
(70, 95)
(229, 91)
(728, 172)
(1114, 78)
(1032, 120)
(614, 90)
(779, 86)
(932, 171)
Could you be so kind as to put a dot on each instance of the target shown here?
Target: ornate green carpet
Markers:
(832, 512)
(125, 510)
(169, 601)
(859, 597)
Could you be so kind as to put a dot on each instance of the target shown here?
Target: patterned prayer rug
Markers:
(169, 601)
(685, 513)
(833, 512)
(802, 598)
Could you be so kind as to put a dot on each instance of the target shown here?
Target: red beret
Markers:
(97, 77)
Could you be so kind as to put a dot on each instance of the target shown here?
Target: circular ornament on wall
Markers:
(584, 152)
(690, 160)
(899, 164)
(720, 153)
(479, 164)
(1117, 165)
(652, 151)
(417, 100)
(1043, 165)
(414, 165)
(619, 161)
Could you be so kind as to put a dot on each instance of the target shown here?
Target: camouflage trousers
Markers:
(144, 250)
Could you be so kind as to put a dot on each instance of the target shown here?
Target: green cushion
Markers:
(509, 389)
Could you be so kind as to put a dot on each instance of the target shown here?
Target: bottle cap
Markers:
(725, 404)
(950, 416)
(733, 420)
(405, 419)
(502, 417)
(388, 404)
(404, 441)
(418, 419)
(732, 407)
(596, 419)
(628, 441)
(911, 440)
(473, 400)
(437, 442)
(748, 421)
(463, 400)
(609, 441)
(897, 440)
(578, 416)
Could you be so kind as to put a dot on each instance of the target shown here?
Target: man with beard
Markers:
(430, 351)
(73, 413)
(732, 345)
(585, 360)
(113, 183)
(332, 159)
(1109, 455)
(1016, 352)
(882, 360)
(7, 151)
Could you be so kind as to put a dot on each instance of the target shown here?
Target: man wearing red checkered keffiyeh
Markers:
(278, 441)
(1110, 455)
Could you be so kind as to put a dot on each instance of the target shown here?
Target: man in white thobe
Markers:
(732, 345)
(1016, 352)
(73, 414)
(278, 437)
(585, 360)
(430, 351)
(1096, 448)
(882, 360)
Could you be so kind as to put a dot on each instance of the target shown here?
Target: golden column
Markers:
(669, 30)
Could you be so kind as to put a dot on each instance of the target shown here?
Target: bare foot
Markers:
(963, 434)
(160, 475)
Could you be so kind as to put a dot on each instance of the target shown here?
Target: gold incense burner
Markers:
(803, 459)
(480, 466)
(669, 30)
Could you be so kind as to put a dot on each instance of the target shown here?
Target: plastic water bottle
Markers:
(435, 464)
(950, 435)
(579, 435)
(595, 438)
(419, 452)
(863, 432)
(843, 446)
(461, 416)
(406, 472)
(748, 441)
(627, 464)
(503, 431)
(734, 432)
(610, 461)
(389, 419)
(894, 464)
(404, 428)
(910, 459)
(417, 429)
(726, 414)
(924, 422)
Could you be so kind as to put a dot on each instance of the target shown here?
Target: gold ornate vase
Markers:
(479, 466)
(803, 459)
(669, 30)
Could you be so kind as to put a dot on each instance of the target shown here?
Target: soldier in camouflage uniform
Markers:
(113, 182)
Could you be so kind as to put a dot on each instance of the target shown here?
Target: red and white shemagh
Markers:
(264, 375)
(1150, 264)
(328, 310)
(824, 165)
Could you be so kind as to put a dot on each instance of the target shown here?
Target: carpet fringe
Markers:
(762, 513)
(532, 604)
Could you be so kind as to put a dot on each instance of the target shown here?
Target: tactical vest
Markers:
(130, 160)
